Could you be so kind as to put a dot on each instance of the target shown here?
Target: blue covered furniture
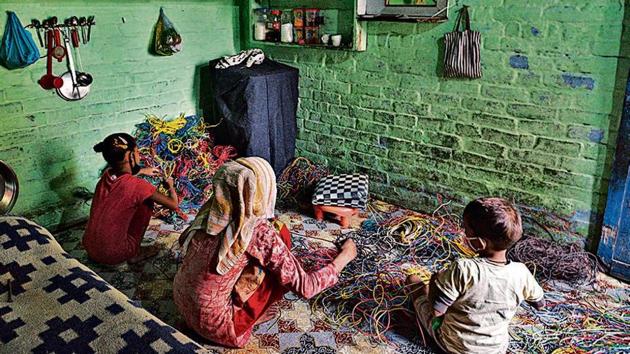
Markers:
(59, 305)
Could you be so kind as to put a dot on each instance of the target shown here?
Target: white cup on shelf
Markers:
(336, 40)
(325, 39)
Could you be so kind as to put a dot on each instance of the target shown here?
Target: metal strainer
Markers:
(9, 188)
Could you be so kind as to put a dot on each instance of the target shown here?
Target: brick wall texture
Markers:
(538, 128)
(48, 141)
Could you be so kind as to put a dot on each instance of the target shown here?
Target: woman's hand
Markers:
(171, 201)
(169, 182)
(149, 171)
(350, 249)
(347, 254)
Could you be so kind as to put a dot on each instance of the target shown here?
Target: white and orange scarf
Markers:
(244, 193)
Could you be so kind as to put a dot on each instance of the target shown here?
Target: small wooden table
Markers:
(341, 214)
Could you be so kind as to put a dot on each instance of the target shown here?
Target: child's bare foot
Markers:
(144, 253)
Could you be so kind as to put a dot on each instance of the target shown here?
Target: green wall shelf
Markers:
(341, 19)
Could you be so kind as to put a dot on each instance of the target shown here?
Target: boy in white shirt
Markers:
(468, 306)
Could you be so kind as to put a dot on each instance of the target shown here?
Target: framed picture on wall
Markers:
(403, 10)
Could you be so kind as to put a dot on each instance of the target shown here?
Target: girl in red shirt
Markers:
(123, 204)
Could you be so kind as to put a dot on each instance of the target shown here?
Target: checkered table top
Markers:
(342, 190)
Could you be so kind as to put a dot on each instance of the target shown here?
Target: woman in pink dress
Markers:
(236, 264)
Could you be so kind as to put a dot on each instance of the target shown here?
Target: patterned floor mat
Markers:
(299, 328)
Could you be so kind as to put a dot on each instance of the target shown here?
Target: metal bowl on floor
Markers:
(9, 188)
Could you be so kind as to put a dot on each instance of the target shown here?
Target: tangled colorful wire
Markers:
(371, 297)
(297, 182)
(181, 148)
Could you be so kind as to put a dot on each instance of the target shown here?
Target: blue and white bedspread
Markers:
(59, 305)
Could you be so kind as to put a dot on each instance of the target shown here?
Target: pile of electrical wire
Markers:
(182, 148)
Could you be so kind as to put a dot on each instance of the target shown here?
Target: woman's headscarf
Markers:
(244, 192)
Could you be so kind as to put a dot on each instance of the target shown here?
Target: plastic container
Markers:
(311, 17)
(260, 26)
(298, 18)
(299, 36)
(311, 35)
(286, 30)
(274, 23)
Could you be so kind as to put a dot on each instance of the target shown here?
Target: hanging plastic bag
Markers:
(18, 48)
(167, 40)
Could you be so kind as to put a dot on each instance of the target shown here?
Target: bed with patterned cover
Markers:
(61, 306)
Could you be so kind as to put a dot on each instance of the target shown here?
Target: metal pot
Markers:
(9, 188)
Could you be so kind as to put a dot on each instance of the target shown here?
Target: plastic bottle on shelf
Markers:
(260, 27)
(311, 17)
(286, 31)
(273, 25)
(298, 26)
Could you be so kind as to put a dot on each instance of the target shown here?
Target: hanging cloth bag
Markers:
(17, 49)
(462, 48)
(167, 40)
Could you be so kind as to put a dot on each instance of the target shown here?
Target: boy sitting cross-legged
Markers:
(475, 299)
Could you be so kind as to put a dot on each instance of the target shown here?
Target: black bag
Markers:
(462, 50)
(342, 190)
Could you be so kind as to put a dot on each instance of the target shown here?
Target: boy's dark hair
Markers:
(496, 220)
(115, 146)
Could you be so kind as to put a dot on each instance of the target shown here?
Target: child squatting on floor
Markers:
(467, 307)
(123, 204)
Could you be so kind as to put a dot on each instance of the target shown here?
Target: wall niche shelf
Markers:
(305, 46)
(339, 17)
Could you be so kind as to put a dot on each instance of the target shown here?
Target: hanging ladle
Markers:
(82, 78)
(70, 90)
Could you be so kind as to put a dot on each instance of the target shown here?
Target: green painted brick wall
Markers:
(48, 141)
(538, 128)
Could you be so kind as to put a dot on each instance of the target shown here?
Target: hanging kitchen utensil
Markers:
(90, 23)
(83, 23)
(9, 188)
(58, 51)
(50, 81)
(38, 26)
(70, 91)
(83, 78)
(73, 22)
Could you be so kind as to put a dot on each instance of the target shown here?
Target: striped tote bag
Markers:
(461, 52)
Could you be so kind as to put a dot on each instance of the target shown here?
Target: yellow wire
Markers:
(175, 145)
(167, 127)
